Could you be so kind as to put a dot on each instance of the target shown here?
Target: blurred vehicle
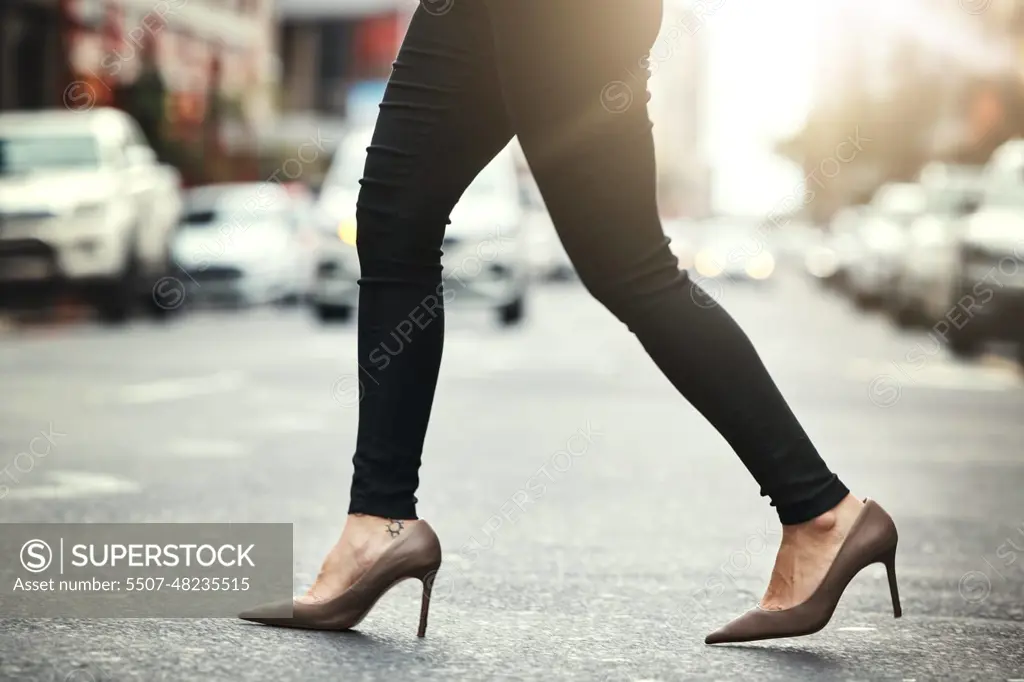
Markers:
(335, 286)
(304, 222)
(733, 248)
(484, 251)
(85, 210)
(239, 245)
(830, 259)
(882, 237)
(484, 254)
(925, 284)
(793, 238)
(987, 302)
(544, 250)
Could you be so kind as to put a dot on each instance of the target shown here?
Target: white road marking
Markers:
(854, 628)
(167, 390)
(74, 484)
(207, 449)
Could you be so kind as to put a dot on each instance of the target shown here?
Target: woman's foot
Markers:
(363, 540)
(806, 553)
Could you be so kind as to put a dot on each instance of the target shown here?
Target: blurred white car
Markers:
(239, 244)
(305, 225)
(793, 239)
(484, 255)
(882, 236)
(84, 209)
(988, 294)
(830, 259)
(484, 250)
(335, 290)
(925, 286)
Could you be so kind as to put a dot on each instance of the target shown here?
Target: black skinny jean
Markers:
(569, 78)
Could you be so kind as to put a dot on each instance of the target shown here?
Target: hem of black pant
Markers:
(386, 509)
(827, 498)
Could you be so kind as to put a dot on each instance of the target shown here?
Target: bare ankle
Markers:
(835, 519)
(825, 523)
(366, 529)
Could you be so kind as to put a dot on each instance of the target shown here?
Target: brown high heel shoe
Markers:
(415, 554)
(871, 540)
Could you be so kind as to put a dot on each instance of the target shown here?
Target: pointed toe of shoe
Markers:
(716, 637)
(712, 638)
(757, 624)
(274, 613)
(730, 632)
(751, 626)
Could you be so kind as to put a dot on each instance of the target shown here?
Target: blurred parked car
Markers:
(544, 250)
(484, 255)
(988, 293)
(335, 286)
(830, 259)
(793, 239)
(484, 250)
(304, 221)
(733, 248)
(881, 239)
(926, 282)
(85, 209)
(239, 245)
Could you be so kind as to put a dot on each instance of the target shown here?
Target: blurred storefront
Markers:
(334, 51)
(335, 58)
(185, 68)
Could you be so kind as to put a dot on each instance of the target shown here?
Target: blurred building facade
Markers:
(911, 82)
(198, 46)
(329, 48)
(335, 57)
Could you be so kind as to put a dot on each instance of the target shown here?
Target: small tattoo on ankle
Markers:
(394, 527)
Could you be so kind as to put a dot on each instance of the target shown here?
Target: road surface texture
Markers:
(650, 535)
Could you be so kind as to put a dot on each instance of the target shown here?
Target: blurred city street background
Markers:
(178, 337)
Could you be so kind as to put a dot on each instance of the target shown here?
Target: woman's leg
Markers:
(576, 89)
(441, 121)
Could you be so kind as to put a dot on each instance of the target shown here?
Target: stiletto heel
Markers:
(894, 591)
(428, 586)
(872, 539)
(414, 555)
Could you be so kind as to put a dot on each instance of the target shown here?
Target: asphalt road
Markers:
(236, 417)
